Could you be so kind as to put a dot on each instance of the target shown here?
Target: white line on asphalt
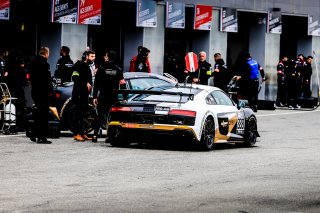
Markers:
(289, 113)
(14, 135)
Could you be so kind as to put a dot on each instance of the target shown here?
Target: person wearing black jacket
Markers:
(109, 77)
(293, 82)
(307, 77)
(220, 73)
(64, 65)
(282, 68)
(42, 91)
(203, 73)
(82, 79)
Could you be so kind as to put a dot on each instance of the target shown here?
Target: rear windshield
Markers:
(167, 97)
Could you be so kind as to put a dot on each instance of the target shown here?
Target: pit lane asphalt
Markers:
(280, 174)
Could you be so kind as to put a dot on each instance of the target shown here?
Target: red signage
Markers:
(191, 60)
(89, 12)
(202, 17)
(4, 9)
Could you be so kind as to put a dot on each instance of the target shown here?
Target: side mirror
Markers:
(242, 103)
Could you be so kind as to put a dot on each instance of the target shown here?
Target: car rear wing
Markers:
(153, 92)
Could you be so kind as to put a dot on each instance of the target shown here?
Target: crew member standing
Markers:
(82, 79)
(307, 77)
(203, 73)
(140, 63)
(109, 77)
(293, 78)
(220, 73)
(41, 92)
(250, 75)
(300, 68)
(64, 65)
(282, 68)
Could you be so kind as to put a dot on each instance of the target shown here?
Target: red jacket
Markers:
(133, 65)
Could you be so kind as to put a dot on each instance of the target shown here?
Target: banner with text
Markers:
(90, 12)
(146, 15)
(4, 9)
(229, 20)
(313, 25)
(274, 22)
(175, 15)
(65, 11)
(202, 17)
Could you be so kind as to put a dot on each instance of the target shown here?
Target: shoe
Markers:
(280, 105)
(290, 107)
(94, 139)
(297, 106)
(33, 139)
(86, 137)
(78, 138)
(43, 141)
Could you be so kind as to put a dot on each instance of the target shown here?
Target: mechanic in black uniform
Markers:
(301, 65)
(203, 73)
(293, 78)
(307, 77)
(82, 79)
(64, 65)
(282, 84)
(41, 92)
(109, 77)
(220, 73)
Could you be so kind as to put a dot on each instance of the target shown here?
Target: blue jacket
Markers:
(253, 68)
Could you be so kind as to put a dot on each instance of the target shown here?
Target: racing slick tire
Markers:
(68, 117)
(115, 138)
(250, 137)
(207, 136)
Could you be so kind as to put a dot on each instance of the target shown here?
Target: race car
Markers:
(186, 112)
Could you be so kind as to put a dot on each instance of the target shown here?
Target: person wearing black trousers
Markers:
(109, 77)
(82, 78)
(282, 68)
(42, 91)
(307, 77)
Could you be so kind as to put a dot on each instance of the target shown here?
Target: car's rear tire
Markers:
(115, 138)
(251, 134)
(208, 134)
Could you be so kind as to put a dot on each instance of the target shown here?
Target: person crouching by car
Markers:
(82, 79)
(41, 92)
(109, 77)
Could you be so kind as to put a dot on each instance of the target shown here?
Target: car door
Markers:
(226, 112)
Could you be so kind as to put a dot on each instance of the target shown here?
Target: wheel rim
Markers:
(252, 136)
(89, 118)
(208, 133)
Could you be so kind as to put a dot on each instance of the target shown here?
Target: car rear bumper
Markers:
(134, 131)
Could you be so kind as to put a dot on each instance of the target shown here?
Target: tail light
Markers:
(183, 112)
(121, 109)
(57, 95)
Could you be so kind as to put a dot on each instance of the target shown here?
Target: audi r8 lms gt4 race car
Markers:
(198, 113)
